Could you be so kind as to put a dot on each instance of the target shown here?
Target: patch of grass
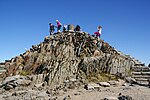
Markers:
(24, 73)
(101, 77)
(130, 72)
(92, 79)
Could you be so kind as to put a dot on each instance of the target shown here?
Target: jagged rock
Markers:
(8, 87)
(38, 85)
(65, 55)
(22, 82)
(130, 80)
(10, 79)
(65, 61)
(15, 81)
(39, 78)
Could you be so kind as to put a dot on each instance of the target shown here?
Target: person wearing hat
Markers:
(52, 29)
(58, 25)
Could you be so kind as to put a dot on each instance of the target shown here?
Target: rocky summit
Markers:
(70, 59)
(67, 55)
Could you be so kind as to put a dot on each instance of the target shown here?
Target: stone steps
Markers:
(141, 76)
(2, 66)
(141, 79)
(141, 69)
(141, 73)
(2, 69)
(143, 83)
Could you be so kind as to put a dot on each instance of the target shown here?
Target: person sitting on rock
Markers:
(52, 29)
(98, 33)
(58, 25)
(77, 28)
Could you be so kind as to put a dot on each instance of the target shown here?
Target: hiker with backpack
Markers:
(77, 28)
(98, 33)
(52, 29)
(58, 25)
(64, 27)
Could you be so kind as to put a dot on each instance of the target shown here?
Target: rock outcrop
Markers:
(70, 55)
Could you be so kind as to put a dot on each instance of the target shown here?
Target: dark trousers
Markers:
(51, 31)
(59, 27)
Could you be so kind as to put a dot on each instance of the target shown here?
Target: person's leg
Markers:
(99, 35)
(50, 32)
(59, 27)
(53, 31)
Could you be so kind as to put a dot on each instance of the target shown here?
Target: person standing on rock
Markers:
(149, 65)
(64, 27)
(58, 25)
(77, 28)
(99, 30)
(52, 29)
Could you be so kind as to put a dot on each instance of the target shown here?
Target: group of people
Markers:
(77, 28)
(52, 27)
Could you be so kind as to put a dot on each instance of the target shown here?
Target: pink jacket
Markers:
(58, 23)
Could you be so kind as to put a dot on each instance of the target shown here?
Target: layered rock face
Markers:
(63, 56)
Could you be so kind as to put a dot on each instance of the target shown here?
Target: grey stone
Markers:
(127, 97)
(22, 82)
(72, 80)
(8, 87)
(130, 80)
(66, 81)
(42, 95)
(110, 98)
(92, 86)
(105, 84)
(11, 79)
(114, 83)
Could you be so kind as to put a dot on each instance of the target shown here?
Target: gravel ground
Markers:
(136, 92)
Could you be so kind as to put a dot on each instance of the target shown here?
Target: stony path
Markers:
(21, 88)
(136, 92)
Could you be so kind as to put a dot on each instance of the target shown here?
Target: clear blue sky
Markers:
(126, 23)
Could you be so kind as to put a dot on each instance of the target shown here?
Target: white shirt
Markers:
(100, 30)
